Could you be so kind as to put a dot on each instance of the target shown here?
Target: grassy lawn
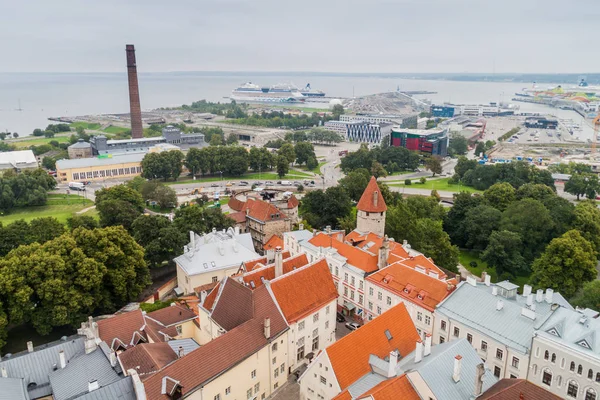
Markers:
(115, 129)
(440, 185)
(36, 141)
(466, 256)
(86, 125)
(316, 170)
(59, 206)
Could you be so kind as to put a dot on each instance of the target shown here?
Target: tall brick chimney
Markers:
(134, 94)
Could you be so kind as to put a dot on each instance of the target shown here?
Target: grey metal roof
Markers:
(80, 144)
(574, 329)
(507, 285)
(72, 381)
(137, 140)
(215, 251)
(475, 307)
(437, 368)
(188, 345)
(13, 389)
(300, 235)
(561, 177)
(119, 390)
(35, 367)
(365, 383)
(97, 162)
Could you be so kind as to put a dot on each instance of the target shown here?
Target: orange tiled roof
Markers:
(424, 262)
(251, 263)
(172, 315)
(238, 217)
(393, 389)
(423, 290)
(509, 389)
(209, 301)
(235, 204)
(349, 356)
(301, 292)
(147, 358)
(262, 210)
(344, 395)
(121, 327)
(268, 272)
(367, 202)
(355, 256)
(273, 242)
(292, 202)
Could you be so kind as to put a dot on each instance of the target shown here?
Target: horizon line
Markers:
(492, 74)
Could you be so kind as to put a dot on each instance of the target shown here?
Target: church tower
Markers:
(371, 210)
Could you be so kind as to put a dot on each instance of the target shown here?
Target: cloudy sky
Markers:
(307, 35)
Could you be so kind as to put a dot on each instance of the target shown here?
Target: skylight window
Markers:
(388, 335)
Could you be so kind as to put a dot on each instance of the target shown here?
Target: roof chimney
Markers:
(4, 374)
(479, 379)
(549, 295)
(180, 352)
(526, 290)
(529, 299)
(300, 226)
(539, 296)
(495, 290)
(384, 252)
(427, 350)
(393, 363)
(328, 229)
(93, 385)
(62, 361)
(457, 365)
(221, 248)
(30, 347)
(419, 351)
(192, 241)
(375, 193)
(499, 305)
(278, 262)
(487, 279)
(268, 328)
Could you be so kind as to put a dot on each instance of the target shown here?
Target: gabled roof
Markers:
(147, 358)
(262, 210)
(231, 308)
(254, 278)
(119, 390)
(372, 199)
(576, 329)
(211, 297)
(273, 242)
(251, 263)
(349, 356)
(354, 256)
(13, 389)
(238, 217)
(419, 288)
(224, 352)
(420, 261)
(305, 290)
(122, 327)
(174, 314)
(393, 389)
(513, 389)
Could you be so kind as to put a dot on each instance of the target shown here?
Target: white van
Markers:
(76, 186)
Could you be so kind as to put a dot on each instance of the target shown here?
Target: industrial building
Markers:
(80, 149)
(99, 168)
(360, 131)
(18, 160)
(135, 108)
(431, 141)
(476, 110)
(541, 122)
(372, 118)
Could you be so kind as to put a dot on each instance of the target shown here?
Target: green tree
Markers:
(304, 151)
(312, 163)
(136, 183)
(45, 228)
(82, 221)
(119, 205)
(15, 135)
(500, 195)
(160, 238)
(567, 263)
(336, 111)
(287, 151)
(49, 163)
(153, 167)
(260, 159)
(504, 253)
(535, 191)
(458, 145)
(431, 240)
(348, 223)
(322, 208)
(201, 220)
(434, 164)
(165, 196)
(587, 222)
(480, 149)
(454, 222)
(589, 296)
(49, 134)
(216, 140)
(38, 132)
(463, 165)
(577, 185)
(480, 222)
(355, 183)
(377, 170)
(232, 139)
(283, 166)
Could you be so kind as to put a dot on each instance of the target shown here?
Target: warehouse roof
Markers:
(99, 162)
(17, 159)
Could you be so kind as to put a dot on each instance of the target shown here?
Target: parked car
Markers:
(296, 183)
(228, 184)
(244, 183)
(340, 317)
(214, 185)
(268, 183)
(352, 326)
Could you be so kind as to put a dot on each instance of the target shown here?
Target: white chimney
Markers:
(499, 305)
(427, 350)
(495, 290)
(192, 241)
(30, 347)
(300, 226)
(526, 290)
(471, 281)
(138, 386)
(180, 352)
(393, 363)
(457, 365)
(419, 351)
(221, 248)
(328, 229)
(4, 374)
(479, 379)
(530, 300)
(278, 262)
(549, 295)
(113, 358)
(539, 296)
(236, 230)
(93, 385)
(268, 328)
(62, 361)
(488, 279)
(384, 252)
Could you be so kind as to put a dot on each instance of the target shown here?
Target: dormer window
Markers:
(584, 343)
(406, 290)
(553, 331)
(171, 388)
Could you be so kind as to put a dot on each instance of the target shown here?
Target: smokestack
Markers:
(457, 365)
(30, 347)
(479, 379)
(192, 241)
(526, 290)
(488, 279)
(499, 305)
(529, 299)
(62, 361)
(427, 345)
(301, 226)
(278, 262)
(93, 385)
(113, 358)
(135, 108)
(267, 327)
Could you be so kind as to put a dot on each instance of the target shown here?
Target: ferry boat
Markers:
(280, 93)
(310, 92)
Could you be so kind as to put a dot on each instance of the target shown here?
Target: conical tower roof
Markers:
(372, 199)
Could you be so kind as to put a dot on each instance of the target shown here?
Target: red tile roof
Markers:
(367, 201)
(513, 389)
(423, 290)
(147, 358)
(349, 356)
(222, 353)
(172, 315)
(209, 301)
(206, 287)
(268, 272)
(236, 204)
(121, 327)
(424, 262)
(344, 395)
(262, 210)
(273, 242)
(305, 290)
(251, 263)
(239, 217)
(229, 310)
(355, 256)
(292, 202)
(393, 389)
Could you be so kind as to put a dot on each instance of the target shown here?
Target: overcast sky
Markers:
(306, 35)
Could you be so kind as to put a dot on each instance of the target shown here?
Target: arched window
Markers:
(579, 369)
(590, 394)
(546, 355)
(553, 359)
(547, 377)
(572, 389)
(572, 368)
(590, 374)
(534, 368)
(559, 381)
(597, 376)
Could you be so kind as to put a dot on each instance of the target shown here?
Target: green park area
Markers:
(437, 184)
(59, 206)
(269, 176)
(86, 125)
(466, 257)
(113, 130)
(36, 141)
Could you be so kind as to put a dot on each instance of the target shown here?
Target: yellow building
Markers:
(99, 168)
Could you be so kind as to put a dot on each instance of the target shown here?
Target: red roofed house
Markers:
(307, 298)
(350, 358)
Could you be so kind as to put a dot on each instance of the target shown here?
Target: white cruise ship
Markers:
(281, 93)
